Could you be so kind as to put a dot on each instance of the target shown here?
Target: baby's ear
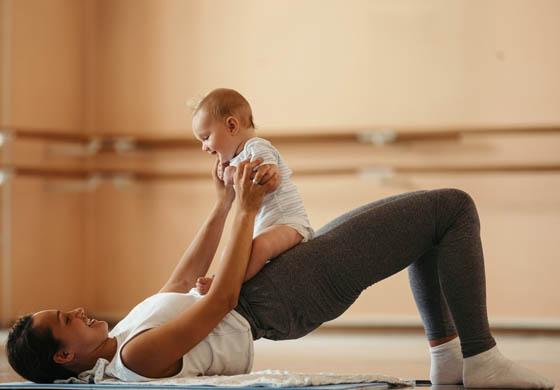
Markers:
(232, 124)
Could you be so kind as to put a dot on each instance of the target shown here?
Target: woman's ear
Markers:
(232, 124)
(62, 357)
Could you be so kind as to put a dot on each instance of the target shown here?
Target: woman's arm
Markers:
(199, 255)
(197, 258)
(153, 352)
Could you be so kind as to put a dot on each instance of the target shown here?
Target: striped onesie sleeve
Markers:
(285, 205)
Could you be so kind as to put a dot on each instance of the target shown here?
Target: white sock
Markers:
(447, 363)
(491, 369)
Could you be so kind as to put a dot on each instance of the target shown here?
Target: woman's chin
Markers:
(100, 324)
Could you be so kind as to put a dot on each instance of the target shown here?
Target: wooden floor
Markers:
(403, 355)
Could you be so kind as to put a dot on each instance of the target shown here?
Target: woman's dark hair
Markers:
(30, 352)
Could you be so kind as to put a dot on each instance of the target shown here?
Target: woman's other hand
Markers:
(225, 193)
(268, 173)
(250, 194)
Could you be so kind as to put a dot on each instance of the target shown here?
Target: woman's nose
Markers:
(79, 311)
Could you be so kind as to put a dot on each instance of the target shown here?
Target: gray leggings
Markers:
(436, 234)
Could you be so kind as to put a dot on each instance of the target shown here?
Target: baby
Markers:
(223, 122)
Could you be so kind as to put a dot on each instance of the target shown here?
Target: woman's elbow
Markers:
(226, 301)
(233, 301)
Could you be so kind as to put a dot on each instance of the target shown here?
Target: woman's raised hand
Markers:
(225, 194)
(250, 194)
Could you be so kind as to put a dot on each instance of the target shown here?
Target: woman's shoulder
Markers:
(158, 308)
(152, 312)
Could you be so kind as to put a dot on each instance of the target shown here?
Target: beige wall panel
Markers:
(48, 64)
(4, 47)
(50, 155)
(329, 64)
(187, 160)
(47, 258)
(140, 234)
(143, 60)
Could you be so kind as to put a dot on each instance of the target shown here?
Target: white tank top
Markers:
(227, 350)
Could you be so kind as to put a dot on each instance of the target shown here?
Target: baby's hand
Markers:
(229, 172)
(221, 168)
(203, 285)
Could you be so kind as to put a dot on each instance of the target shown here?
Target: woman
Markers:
(433, 233)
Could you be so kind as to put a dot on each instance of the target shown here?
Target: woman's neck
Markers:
(106, 350)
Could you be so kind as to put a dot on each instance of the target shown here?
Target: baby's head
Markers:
(223, 121)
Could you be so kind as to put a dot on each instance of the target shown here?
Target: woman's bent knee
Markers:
(457, 196)
(458, 203)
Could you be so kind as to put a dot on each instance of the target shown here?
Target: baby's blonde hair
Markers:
(223, 102)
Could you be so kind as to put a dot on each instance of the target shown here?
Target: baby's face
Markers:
(214, 135)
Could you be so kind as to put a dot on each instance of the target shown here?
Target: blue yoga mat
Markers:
(147, 386)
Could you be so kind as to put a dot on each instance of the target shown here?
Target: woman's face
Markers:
(77, 334)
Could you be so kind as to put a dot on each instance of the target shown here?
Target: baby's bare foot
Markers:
(203, 285)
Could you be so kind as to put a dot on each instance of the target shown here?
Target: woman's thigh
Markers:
(318, 280)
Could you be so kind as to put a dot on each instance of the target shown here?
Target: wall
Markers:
(316, 67)
(44, 70)
(320, 67)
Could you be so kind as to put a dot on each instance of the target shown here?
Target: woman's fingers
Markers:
(262, 175)
(245, 169)
(249, 194)
(269, 185)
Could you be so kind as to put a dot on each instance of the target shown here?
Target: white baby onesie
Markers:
(284, 206)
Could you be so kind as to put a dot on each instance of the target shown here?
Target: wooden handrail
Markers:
(307, 136)
(84, 174)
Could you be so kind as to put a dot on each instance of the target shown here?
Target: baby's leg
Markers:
(269, 244)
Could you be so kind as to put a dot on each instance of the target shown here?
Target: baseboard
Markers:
(364, 322)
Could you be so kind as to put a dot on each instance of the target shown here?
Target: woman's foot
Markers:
(446, 363)
(203, 285)
(491, 369)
